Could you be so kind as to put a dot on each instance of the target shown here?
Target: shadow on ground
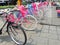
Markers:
(5, 39)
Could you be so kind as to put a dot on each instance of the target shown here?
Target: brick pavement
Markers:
(43, 35)
(51, 17)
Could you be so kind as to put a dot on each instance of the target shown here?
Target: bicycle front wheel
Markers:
(17, 35)
(29, 22)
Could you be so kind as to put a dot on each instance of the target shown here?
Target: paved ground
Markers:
(51, 17)
(46, 35)
(43, 34)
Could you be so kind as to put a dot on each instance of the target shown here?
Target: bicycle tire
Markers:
(10, 31)
(30, 26)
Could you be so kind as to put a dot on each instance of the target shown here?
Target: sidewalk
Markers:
(51, 21)
(43, 35)
(51, 17)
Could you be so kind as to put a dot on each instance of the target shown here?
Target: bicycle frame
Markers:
(7, 21)
(23, 12)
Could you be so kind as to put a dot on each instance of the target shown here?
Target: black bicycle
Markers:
(16, 32)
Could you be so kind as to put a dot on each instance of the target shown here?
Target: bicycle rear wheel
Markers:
(17, 35)
(29, 22)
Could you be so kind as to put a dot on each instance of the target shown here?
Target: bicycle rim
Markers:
(29, 22)
(17, 35)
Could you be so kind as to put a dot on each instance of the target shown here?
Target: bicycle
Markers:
(28, 21)
(18, 34)
(41, 8)
(35, 11)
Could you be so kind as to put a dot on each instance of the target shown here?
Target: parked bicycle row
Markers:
(22, 18)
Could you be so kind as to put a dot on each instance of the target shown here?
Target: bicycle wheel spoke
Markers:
(17, 35)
